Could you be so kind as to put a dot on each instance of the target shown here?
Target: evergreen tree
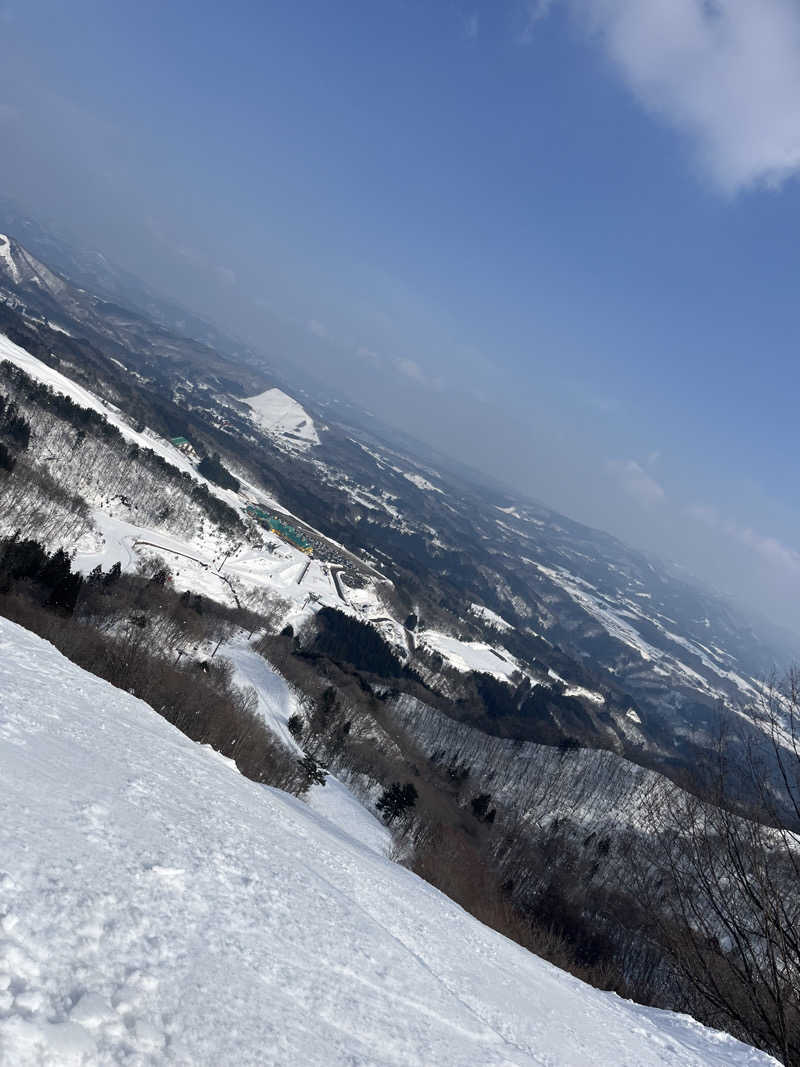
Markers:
(315, 775)
(396, 800)
(295, 726)
(114, 574)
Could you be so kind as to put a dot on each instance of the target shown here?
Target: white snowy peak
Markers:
(21, 268)
(159, 908)
(284, 419)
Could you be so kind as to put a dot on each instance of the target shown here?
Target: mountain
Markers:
(536, 681)
(145, 345)
(159, 907)
(644, 657)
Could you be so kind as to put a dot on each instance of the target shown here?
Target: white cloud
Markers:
(634, 480)
(726, 73)
(319, 329)
(704, 513)
(769, 549)
(411, 369)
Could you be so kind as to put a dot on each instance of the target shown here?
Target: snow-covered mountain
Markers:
(25, 270)
(284, 419)
(157, 907)
(620, 632)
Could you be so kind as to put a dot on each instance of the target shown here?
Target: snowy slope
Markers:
(60, 383)
(276, 703)
(468, 655)
(286, 421)
(7, 260)
(159, 908)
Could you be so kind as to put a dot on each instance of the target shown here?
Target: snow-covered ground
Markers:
(276, 701)
(147, 438)
(421, 483)
(208, 562)
(7, 258)
(159, 908)
(284, 419)
(490, 617)
(284, 571)
(468, 655)
(276, 704)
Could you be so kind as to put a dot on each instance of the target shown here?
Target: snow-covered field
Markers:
(203, 564)
(159, 908)
(468, 655)
(490, 617)
(284, 419)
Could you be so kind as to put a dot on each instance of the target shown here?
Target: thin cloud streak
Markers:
(769, 549)
(634, 480)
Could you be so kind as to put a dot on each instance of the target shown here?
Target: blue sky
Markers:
(557, 239)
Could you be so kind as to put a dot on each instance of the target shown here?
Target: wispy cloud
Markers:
(725, 74)
(777, 555)
(368, 354)
(319, 329)
(472, 26)
(634, 480)
(528, 14)
(411, 369)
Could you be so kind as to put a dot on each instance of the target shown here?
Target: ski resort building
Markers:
(183, 445)
(281, 528)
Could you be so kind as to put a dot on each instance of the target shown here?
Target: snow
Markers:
(60, 383)
(490, 617)
(469, 655)
(586, 694)
(196, 563)
(276, 702)
(286, 421)
(8, 259)
(336, 803)
(421, 483)
(157, 907)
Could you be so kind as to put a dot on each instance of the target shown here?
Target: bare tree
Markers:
(727, 898)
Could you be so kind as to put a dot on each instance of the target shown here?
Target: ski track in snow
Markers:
(158, 908)
(276, 703)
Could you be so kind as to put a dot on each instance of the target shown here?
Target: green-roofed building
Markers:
(281, 528)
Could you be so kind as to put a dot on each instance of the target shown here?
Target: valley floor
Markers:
(157, 907)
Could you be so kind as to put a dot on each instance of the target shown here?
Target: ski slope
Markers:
(469, 655)
(158, 908)
(284, 419)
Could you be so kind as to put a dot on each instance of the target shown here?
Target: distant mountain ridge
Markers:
(583, 611)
